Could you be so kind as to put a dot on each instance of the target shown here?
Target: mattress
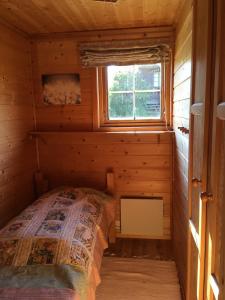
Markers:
(53, 249)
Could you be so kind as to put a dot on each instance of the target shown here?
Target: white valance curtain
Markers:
(96, 54)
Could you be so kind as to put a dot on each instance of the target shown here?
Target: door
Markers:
(214, 275)
(199, 146)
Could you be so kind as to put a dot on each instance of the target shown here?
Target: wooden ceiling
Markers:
(49, 16)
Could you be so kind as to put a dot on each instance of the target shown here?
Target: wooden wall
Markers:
(17, 151)
(142, 162)
(55, 57)
(59, 53)
(181, 107)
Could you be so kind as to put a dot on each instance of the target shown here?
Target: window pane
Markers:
(147, 77)
(134, 92)
(120, 78)
(147, 105)
(121, 106)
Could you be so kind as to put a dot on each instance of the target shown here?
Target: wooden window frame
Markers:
(100, 109)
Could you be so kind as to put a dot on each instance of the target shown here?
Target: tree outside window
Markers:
(134, 92)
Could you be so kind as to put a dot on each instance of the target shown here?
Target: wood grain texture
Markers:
(47, 16)
(141, 163)
(17, 151)
(125, 278)
(181, 112)
(56, 57)
(60, 54)
(203, 45)
(140, 248)
(72, 153)
(215, 230)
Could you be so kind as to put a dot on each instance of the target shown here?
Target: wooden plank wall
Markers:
(55, 57)
(141, 166)
(142, 163)
(59, 53)
(17, 151)
(181, 108)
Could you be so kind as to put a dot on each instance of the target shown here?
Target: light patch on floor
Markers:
(139, 279)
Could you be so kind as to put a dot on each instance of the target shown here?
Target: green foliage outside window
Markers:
(134, 92)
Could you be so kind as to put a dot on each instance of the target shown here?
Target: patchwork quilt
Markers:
(51, 245)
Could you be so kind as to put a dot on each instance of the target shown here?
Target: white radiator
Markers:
(142, 217)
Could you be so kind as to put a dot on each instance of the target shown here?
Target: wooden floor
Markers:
(136, 278)
(151, 249)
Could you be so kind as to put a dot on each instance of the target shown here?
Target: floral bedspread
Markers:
(59, 229)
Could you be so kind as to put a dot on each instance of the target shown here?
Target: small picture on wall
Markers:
(61, 89)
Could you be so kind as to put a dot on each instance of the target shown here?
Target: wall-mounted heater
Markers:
(142, 217)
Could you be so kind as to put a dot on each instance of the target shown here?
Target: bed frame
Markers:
(110, 186)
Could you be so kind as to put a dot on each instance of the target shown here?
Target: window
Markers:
(133, 97)
(134, 92)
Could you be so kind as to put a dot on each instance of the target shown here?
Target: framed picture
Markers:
(61, 89)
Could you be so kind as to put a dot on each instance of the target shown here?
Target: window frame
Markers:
(100, 109)
(134, 93)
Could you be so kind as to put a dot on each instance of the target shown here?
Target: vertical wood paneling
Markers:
(17, 152)
(181, 109)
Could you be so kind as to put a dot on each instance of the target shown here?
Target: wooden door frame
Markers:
(193, 235)
(216, 229)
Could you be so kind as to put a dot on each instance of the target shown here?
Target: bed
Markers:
(53, 249)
